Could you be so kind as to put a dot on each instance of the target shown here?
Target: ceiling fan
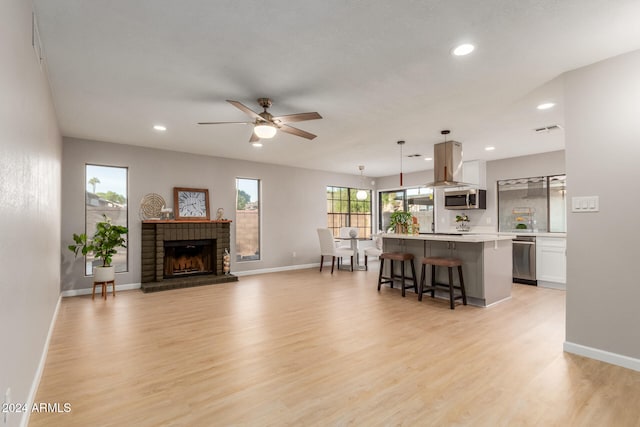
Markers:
(266, 125)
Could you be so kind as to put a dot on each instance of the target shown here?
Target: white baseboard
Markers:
(87, 291)
(275, 269)
(24, 422)
(552, 285)
(602, 355)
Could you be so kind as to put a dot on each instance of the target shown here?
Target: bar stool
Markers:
(443, 262)
(402, 257)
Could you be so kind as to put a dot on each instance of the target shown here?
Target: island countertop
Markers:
(444, 237)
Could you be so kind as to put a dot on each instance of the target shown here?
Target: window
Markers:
(247, 219)
(345, 210)
(535, 204)
(106, 194)
(418, 201)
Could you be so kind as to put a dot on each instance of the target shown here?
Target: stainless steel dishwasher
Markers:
(524, 260)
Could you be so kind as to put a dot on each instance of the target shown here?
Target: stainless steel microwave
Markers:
(465, 199)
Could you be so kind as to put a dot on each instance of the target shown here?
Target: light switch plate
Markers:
(585, 204)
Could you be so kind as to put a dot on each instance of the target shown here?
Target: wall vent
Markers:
(548, 128)
(414, 155)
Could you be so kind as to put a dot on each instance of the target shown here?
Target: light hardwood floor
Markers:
(308, 348)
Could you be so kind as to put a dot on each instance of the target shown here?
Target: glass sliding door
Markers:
(389, 202)
(420, 204)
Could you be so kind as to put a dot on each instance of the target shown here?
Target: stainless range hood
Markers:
(447, 165)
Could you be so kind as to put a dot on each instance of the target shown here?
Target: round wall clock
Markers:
(191, 203)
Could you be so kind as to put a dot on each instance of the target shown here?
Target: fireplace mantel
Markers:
(154, 235)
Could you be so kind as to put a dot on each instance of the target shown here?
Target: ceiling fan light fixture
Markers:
(265, 130)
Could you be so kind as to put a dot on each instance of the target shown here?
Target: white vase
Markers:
(104, 274)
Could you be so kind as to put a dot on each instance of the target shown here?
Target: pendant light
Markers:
(361, 194)
(400, 143)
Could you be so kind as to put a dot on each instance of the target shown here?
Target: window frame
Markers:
(350, 198)
(259, 208)
(90, 233)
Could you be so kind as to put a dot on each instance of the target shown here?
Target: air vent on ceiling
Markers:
(548, 128)
(414, 155)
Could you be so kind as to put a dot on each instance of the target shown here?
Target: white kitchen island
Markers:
(487, 261)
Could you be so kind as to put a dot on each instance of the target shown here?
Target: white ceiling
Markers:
(377, 71)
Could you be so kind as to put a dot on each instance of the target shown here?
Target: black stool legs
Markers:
(443, 262)
(402, 257)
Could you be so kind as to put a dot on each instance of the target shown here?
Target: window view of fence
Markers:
(247, 219)
(344, 209)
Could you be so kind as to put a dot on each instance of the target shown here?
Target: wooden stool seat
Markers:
(397, 256)
(402, 257)
(450, 263)
(442, 261)
(103, 289)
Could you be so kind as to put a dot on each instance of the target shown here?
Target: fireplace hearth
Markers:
(179, 254)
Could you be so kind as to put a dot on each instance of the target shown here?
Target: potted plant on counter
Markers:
(463, 222)
(401, 222)
(103, 245)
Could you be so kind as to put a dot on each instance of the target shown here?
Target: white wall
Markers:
(603, 154)
(293, 201)
(30, 152)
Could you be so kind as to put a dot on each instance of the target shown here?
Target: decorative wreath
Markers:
(150, 206)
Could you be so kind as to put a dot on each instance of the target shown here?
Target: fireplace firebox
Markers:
(188, 257)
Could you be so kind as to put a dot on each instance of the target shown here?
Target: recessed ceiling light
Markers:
(546, 106)
(160, 128)
(489, 148)
(463, 49)
(428, 158)
(257, 144)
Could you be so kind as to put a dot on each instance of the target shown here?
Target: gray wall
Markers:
(30, 152)
(293, 201)
(603, 152)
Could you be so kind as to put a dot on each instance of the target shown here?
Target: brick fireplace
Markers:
(180, 254)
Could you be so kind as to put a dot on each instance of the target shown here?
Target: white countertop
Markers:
(467, 237)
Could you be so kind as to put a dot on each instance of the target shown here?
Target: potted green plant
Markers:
(103, 245)
(401, 222)
(463, 222)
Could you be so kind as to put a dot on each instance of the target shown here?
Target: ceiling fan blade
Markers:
(296, 131)
(290, 118)
(240, 106)
(225, 123)
(254, 137)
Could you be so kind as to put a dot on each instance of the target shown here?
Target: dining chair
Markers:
(327, 248)
(374, 251)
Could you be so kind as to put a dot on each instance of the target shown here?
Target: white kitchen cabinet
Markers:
(551, 262)
(475, 172)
